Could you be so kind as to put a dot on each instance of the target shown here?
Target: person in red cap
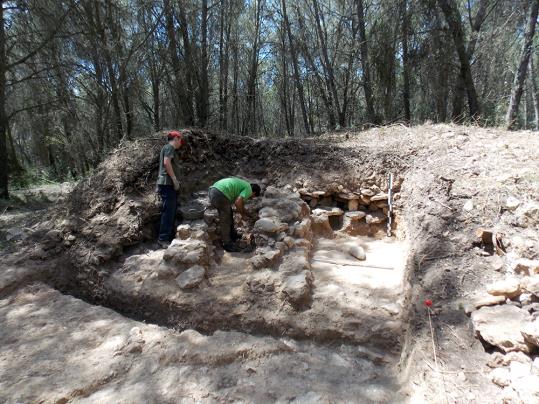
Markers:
(168, 186)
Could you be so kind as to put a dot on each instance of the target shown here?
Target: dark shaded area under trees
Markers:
(77, 77)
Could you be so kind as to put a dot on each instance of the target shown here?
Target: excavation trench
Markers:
(322, 269)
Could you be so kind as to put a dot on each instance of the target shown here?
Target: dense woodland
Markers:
(77, 77)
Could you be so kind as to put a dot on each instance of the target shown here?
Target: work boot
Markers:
(231, 247)
(163, 243)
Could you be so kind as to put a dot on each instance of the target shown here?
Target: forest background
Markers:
(78, 77)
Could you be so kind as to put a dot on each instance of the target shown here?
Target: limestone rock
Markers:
(320, 224)
(303, 229)
(297, 288)
(500, 326)
(500, 377)
(530, 284)
(166, 270)
(194, 209)
(192, 277)
(528, 214)
(379, 197)
(375, 218)
(353, 204)
(186, 253)
(487, 300)
(367, 192)
(356, 252)
(183, 231)
(497, 263)
(259, 261)
(508, 287)
(512, 203)
(355, 216)
(211, 216)
(530, 332)
(270, 226)
(468, 206)
(294, 263)
(327, 212)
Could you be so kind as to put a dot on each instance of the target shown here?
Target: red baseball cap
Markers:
(175, 133)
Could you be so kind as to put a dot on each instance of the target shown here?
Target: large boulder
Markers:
(500, 326)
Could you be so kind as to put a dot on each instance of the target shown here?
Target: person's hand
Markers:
(176, 184)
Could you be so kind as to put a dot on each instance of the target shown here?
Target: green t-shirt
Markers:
(234, 187)
(167, 151)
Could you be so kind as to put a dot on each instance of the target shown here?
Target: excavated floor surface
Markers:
(68, 350)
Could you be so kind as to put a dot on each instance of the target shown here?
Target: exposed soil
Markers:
(363, 335)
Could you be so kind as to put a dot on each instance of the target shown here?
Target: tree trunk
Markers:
(4, 188)
(405, 62)
(297, 79)
(460, 88)
(520, 76)
(364, 53)
(204, 88)
(452, 16)
(326, 62)
(535, 95)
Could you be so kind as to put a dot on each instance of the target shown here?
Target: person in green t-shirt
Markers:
(168, 186)
(222, 195)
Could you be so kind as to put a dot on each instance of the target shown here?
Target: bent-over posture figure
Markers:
(222, 195)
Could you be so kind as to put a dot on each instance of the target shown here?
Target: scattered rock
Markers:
(192, 277)
(259, 261)
(500, 377)
(508, 287)
(468, 206)
(497, 263)
(512, 203)
(530, 284)
(297, 288)
(528, 215)
(500, 326)
(530, 332)
(526, 266)
(356, 252)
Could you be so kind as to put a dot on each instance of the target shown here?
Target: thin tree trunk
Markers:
(520, 75)
(4, 188)
(297, 78)
(460, 88)
(326, 62)
(452, 16)
(364, 53)
(405, 62)
(535, 95)
(204, 88)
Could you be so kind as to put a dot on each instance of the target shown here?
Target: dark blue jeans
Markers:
(168, 212)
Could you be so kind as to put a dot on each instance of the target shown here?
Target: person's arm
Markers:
(240, 206)
(167, 162)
